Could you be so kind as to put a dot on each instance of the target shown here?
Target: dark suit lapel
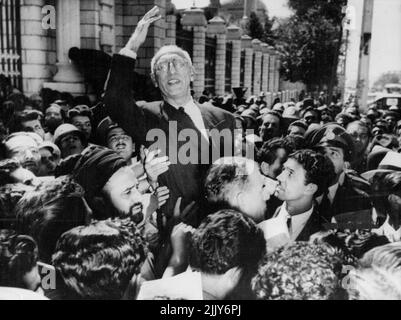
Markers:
(312, 226)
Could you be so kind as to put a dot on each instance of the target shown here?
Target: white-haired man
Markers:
(184, 123)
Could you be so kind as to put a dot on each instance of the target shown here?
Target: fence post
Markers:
(195, 18)
(234, 35)
(216, 27)
(256, 44)
(272, 64)
(246, 44)
(265, 67)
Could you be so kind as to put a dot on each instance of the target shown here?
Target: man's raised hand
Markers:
(141, 30)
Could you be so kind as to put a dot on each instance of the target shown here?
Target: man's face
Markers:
(70, 144)
(25, 150)
(311, 117)
(48, 162)
(121, 143)
(122, 190)
(291, 181)
(34, 126)
(360, 137)
(270, 127)
(391, 120)
(83, 123)
(173, 76)
(255, 194)
(53, 117)
(336, 155)
(296, 131)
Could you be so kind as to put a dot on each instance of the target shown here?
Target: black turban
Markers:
(93, 168)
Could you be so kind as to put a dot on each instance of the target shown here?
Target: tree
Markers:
(386, 78)
(254, 27)
(310, 41)
(268, 33)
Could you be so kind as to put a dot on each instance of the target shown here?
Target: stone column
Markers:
(272, 64)
(234, 35)
(246, 44)
(195, 18)
(68, 35)
(265, 67)
(277, 74)
(38, 44)
(216, 27)
(257, 77)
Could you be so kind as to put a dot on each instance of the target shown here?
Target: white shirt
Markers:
(298, 221)
(387, 230)
(193, 111)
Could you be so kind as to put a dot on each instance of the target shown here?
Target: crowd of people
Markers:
(294, 200)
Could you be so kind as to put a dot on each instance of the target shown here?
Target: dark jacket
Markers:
(183, 179)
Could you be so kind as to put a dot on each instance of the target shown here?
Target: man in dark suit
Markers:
(305, 175)
(186, 132)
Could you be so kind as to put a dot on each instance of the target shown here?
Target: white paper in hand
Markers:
(276, 232)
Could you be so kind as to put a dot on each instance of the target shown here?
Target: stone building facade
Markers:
(107, 25)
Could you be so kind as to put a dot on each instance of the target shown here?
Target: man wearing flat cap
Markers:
(172, 72)
(348, 192)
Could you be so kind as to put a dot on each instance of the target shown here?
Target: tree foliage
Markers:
(254, 27)
(386, 78)
(309, 41)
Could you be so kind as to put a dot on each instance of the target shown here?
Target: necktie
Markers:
(289, 225)
(325, 206)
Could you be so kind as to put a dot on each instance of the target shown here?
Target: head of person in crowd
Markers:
(225, 248)
(250, 119)
(378, 276)
(271, 125)
(18, 261)
(336, 144)
(172, 72)
(360, 135)
(352, 110)
(278, 107)
(272, 156)
(24, 147)
(111, 187)
(50, 156)
(298, 127)
(81, 117)
(53, 208)
(37, 101)
(237, 183)
(70, 140)
(391, 117)
(372, 113)
(54, 117)
(99, 260)
(114, 137)
(326, 114)
(367, 121)
(305, 175)
(28, 122)
(300, 271)
(310, 115)
(380, 126)
(343, 119)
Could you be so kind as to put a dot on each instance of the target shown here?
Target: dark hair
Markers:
(310, 109)
(361, 124)
(267, 152)
(18, 256)
(319, 170)
(18, 119)
(224, 240)
(98, 261)
(300, 271)
(46, 213)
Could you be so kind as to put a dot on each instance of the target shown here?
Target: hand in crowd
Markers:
(162, 194)
(154, 165)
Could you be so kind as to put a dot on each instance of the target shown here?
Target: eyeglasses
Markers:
(163, 66)
(122, 137)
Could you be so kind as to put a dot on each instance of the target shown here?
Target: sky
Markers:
(386, 34)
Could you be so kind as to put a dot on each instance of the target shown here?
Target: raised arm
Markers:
(119, 95)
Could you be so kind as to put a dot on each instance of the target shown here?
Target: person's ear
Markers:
(265, 167)
(154, 80)
(231, 279)
(311, 189)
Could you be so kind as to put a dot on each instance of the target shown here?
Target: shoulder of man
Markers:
(356, 182)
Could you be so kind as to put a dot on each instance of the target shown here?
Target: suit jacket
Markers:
(353, 195)
(313, 225)
(183, 179)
